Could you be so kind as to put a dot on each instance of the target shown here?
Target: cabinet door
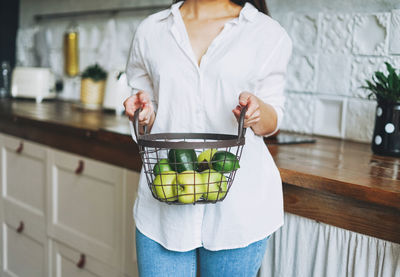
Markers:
(23, 184)
(131, 181)
(25, 252)
(23, 170)
(68, 262)
(85, 200)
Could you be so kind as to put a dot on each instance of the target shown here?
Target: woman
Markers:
(192, 67)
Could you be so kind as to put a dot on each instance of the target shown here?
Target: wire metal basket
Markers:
(190, 168)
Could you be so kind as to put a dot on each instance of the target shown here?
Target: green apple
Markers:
(205, 157)
(217, 185)
(190, 186)
(165, 187)
(161, 166)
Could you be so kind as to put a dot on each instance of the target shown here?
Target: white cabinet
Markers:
(70, 263)
(63, 215)
(85, 200)
(25, 253)
(23, 167)
(23, 185)
(131, 180)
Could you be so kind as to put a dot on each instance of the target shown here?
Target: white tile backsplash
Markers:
(304, 32)
(330, 116)
(334, 74)
(302, 72)
(364, 68)
(336, 33)
(371, 34)
(299, 113)
(87, 57)
(360, 119)
(56, 59)
(394, 46)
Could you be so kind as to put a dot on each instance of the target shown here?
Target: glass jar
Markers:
(71, 50)
(5, 78)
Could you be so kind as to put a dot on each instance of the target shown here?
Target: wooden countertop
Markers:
(333, 181)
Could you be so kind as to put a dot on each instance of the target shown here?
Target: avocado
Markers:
(182, 159)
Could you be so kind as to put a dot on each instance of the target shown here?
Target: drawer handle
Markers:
(20, 148)
(82, 261)
(20, 227)
(80, 167)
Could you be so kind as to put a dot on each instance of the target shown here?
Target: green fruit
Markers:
(190, 186)
(161, 166)
(204, 159)
(217, 185)
(165, 187)
(224, 162)
(182, 159)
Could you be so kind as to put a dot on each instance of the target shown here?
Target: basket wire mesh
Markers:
(190, 168)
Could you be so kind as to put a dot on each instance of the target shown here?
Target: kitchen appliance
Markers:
(117, 90)
(33, 82)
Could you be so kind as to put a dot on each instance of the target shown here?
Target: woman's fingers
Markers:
(129, 105)
(236, 111)
(139, 100)
(253, 109)
(145, 115)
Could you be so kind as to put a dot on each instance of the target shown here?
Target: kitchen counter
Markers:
(332, 181)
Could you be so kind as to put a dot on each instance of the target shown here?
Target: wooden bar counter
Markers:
(332, 181)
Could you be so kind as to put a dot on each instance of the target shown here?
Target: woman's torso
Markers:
(199, 98)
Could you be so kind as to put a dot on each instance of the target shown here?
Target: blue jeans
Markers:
(156, 261)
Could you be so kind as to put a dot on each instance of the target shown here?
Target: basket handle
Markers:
(241, 129)
(134, 126)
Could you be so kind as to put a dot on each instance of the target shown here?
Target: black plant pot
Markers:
(386, 139)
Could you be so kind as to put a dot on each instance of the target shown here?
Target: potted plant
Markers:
(92, 85)
(386, 90)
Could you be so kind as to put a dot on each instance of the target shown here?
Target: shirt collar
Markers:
(248, 11)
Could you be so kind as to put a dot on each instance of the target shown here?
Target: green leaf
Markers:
(381, 78)
(384, 87)
(390, 68)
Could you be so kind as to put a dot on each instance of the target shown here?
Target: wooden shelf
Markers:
(50, 16)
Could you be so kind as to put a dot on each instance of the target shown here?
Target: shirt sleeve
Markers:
(136, 71)
(271, 83)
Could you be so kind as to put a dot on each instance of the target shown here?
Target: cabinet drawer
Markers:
(23, 168)
(24, 255)
(131, 182)
(67, 262)
(85, 200)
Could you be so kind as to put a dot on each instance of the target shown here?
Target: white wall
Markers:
(337, 45)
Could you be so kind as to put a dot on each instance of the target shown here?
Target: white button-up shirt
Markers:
(250, 54)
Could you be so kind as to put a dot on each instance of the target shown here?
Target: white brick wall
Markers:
(334, 52)
(329, 66)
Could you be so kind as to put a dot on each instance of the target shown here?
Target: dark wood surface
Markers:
(333, 181)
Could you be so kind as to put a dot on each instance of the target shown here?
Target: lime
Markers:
(224, 162)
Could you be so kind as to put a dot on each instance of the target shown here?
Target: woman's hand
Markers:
(260, 116)
(253, 113)
(140, 100)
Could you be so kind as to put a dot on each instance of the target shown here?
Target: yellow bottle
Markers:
(71, 51)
